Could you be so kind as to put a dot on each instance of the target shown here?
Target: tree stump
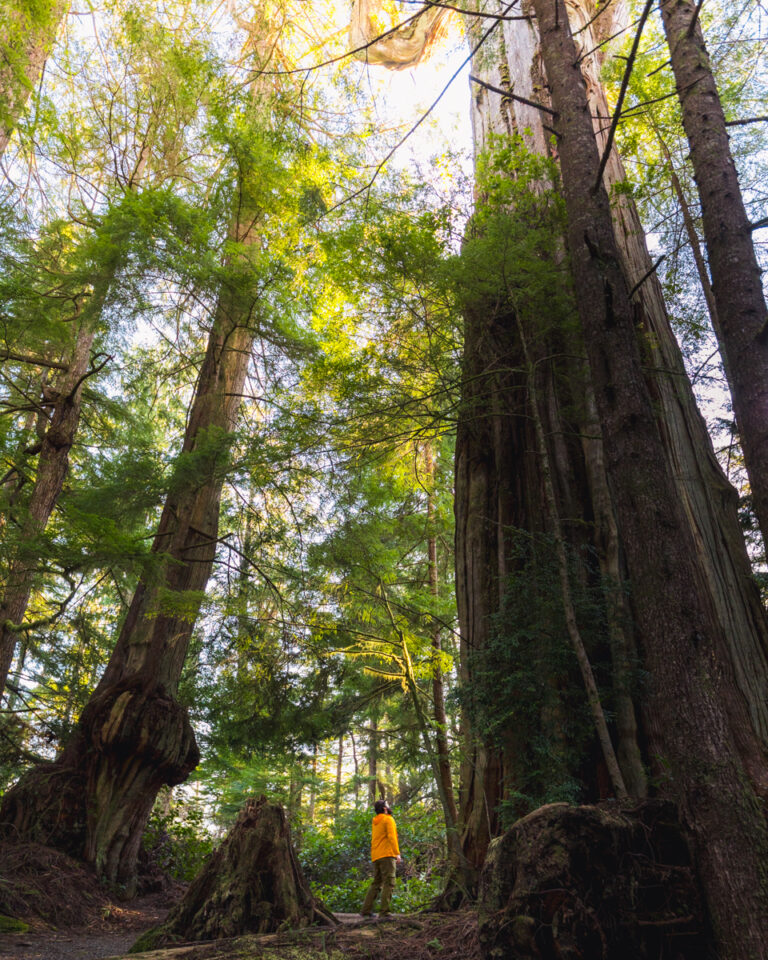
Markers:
(250, 884)
(593, 882)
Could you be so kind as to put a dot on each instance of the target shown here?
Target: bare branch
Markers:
(512, 96)
(32, 360)
(745, 121)
(622, 94)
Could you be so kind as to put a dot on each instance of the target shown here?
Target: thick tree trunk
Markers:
(742, 330)
(498, 477)
(24, 47)
(133, 736)
(251, 883)
(511, 60)
(696, 717)
(709, 500)
(52, 469)
(593, 881)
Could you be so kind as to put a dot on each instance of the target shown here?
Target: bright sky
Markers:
(405, 95)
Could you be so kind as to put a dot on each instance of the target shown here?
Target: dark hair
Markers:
(380, 806)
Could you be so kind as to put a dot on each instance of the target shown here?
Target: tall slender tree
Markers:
(742, 314)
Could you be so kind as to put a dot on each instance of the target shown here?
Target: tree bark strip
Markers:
(742, 330)
(24, 48)
(556, 526)
(696, 716)
(438, 687)
(52, 469)
(617, 613)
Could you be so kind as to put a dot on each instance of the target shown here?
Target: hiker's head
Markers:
(380, 806)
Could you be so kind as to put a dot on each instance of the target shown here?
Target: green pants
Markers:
(384, 872)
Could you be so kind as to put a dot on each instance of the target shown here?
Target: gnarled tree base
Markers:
(592, 881)
(250, 884)
(93, 801)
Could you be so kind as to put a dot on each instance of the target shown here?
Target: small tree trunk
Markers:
(696, 717)
(337, 792)
(24, 47)
(438, 687)
(736, 277)
(311, 811)
(373, 762)
(387, 787)
(693, 239)
(52, 469)
(454, 840)
(356, 762)
(252, 883)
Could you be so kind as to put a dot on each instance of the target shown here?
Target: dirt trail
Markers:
(112, 935)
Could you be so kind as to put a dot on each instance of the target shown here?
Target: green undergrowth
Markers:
(336, 860)
(12, 925)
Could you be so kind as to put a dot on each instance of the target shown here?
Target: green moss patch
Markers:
(12, 925)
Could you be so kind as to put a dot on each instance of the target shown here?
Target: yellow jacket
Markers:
(384, 837)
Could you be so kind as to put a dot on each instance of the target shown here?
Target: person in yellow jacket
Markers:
(385, 854)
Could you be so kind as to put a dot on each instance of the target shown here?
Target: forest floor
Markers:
(69, 915)
(405, 937)
(111, 933)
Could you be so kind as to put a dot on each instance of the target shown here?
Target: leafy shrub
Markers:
(176, 839)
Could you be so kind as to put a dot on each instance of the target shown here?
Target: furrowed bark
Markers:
(742, 330)
(709, 500)
(556, 526)
(617, 613)
(696, 717)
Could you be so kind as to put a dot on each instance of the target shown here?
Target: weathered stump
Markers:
(250, 884)
(592, 882)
